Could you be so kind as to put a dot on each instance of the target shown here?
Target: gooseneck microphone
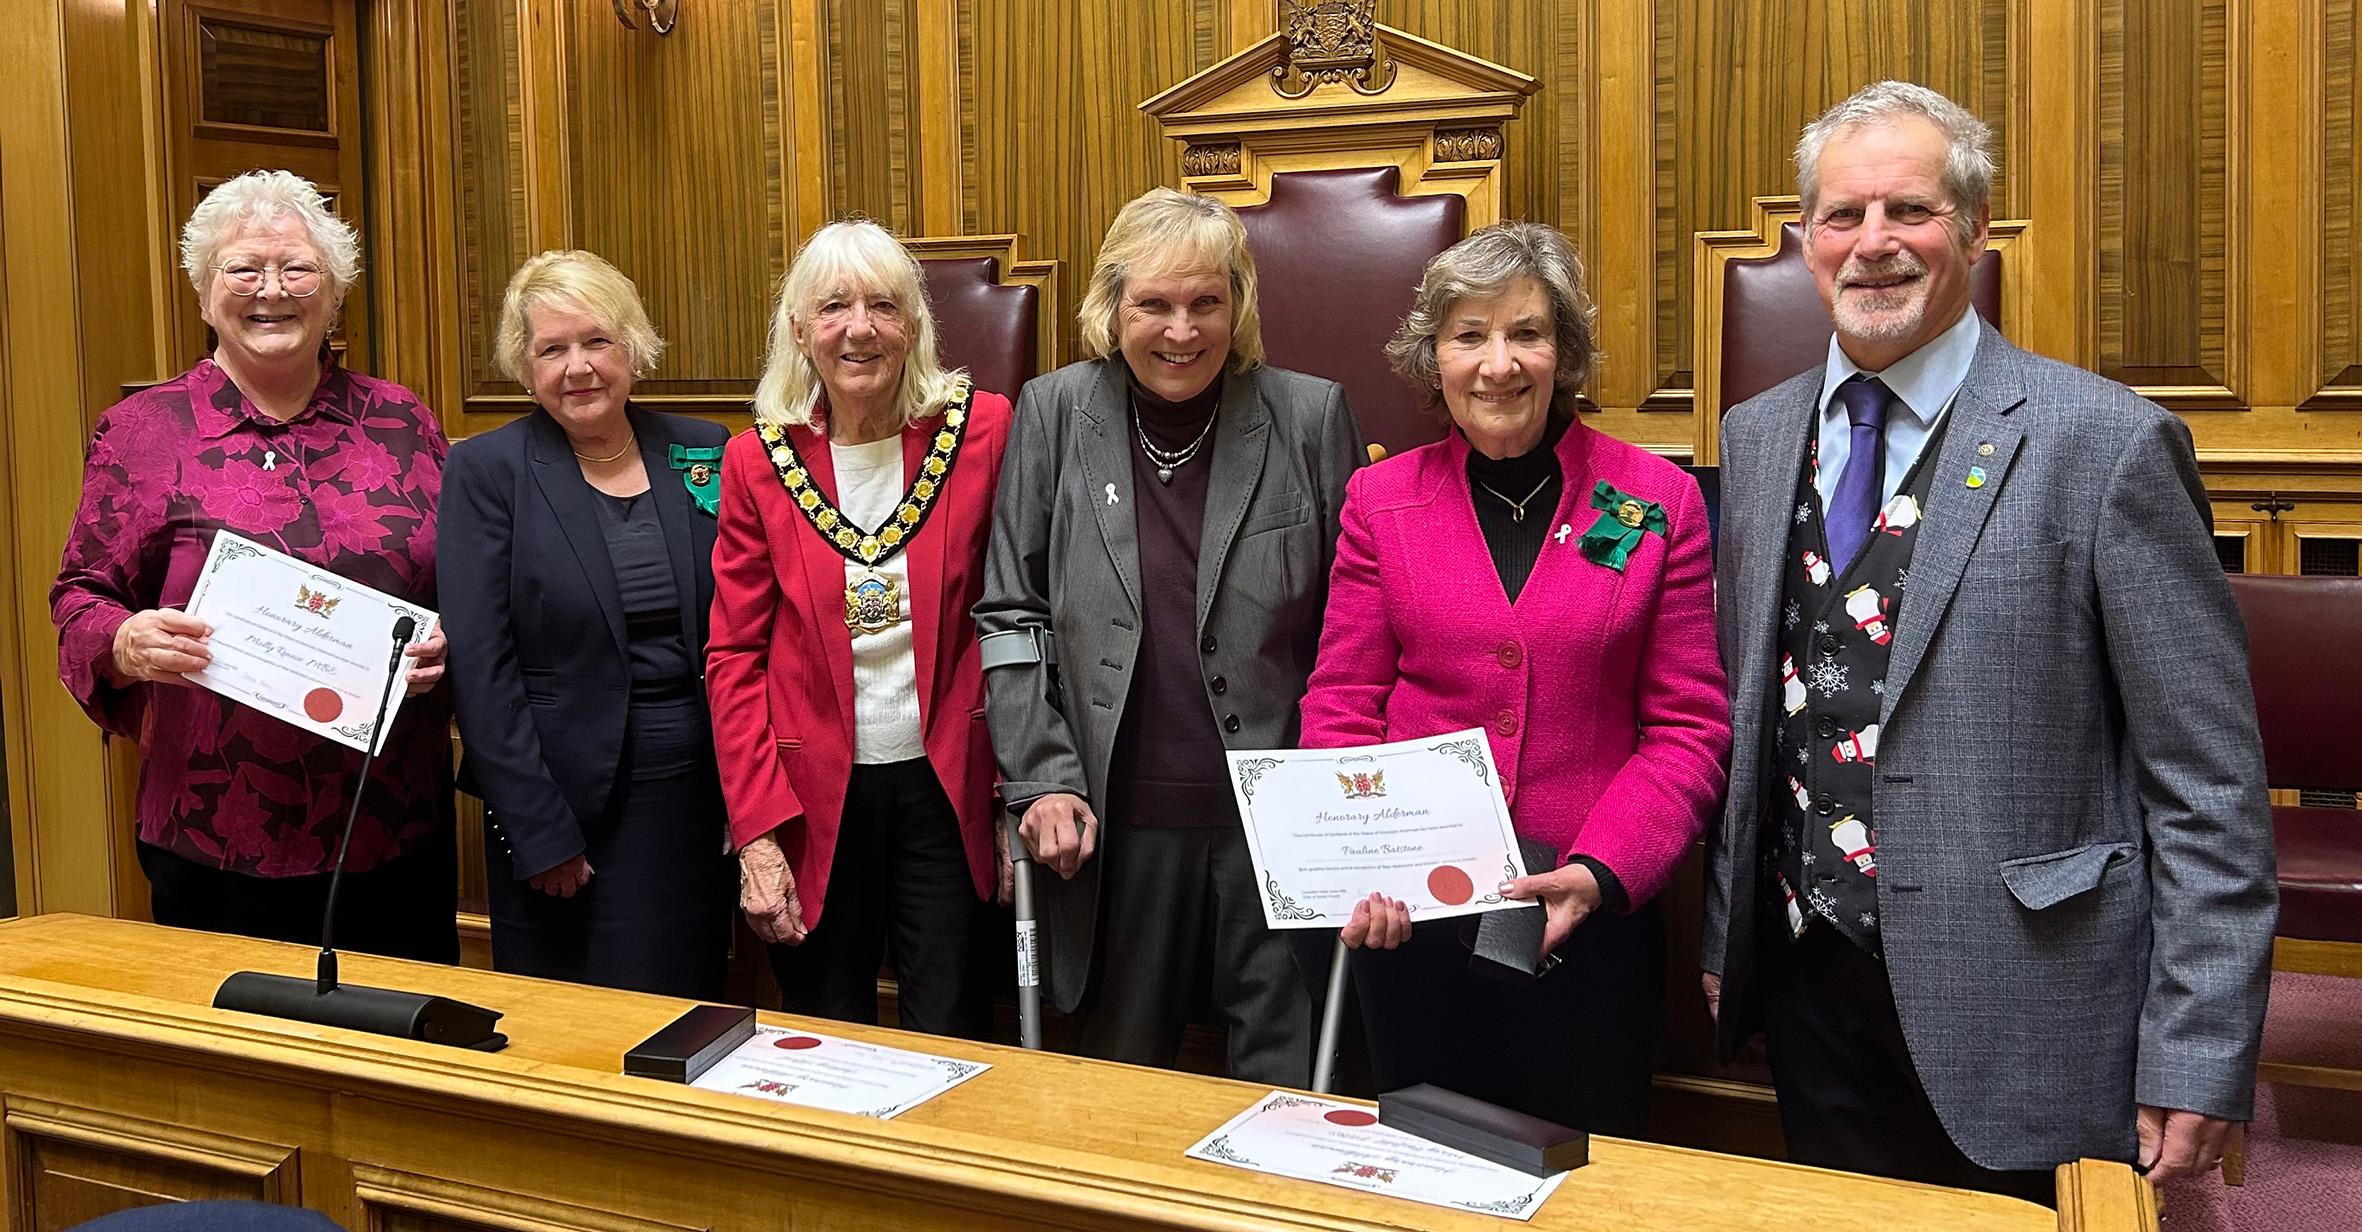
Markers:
(322, 1000)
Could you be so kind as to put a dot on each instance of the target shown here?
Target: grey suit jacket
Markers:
(1065, 556)
(2076, 883)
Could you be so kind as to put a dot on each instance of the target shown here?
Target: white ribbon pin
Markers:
(1564, 529)
(1111, 494)
(270, 459)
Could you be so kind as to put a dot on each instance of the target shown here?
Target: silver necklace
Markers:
(1517, 507)
(1167, 459)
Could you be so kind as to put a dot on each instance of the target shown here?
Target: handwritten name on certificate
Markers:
(1336, 1143)
(841, 1075)
(296, 641)
(1418, 820)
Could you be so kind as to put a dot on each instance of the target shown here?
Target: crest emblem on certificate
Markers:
(317, 602)
(1361, 785)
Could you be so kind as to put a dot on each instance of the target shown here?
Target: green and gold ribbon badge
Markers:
(701, 473)
(1622, 521)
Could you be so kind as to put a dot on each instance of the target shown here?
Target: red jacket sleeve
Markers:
(755, 787)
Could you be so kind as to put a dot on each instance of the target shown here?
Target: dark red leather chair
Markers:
(2304, 639)
(982, 324)
(1773, 324)
(1340, 254)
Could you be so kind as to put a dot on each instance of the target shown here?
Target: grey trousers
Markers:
(1179, 915)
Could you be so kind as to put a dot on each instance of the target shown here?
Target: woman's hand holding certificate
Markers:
(1418, 822)
(302, 643)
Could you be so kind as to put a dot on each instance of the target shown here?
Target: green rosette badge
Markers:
(1622, 521)
(701, 473)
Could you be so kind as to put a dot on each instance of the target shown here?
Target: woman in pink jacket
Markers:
(1535, 578)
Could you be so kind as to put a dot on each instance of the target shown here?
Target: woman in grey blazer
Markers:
(1153, 596)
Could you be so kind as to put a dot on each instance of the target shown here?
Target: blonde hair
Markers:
(570, 278)
(261, 197)
(851, 254)
(1163, 231)
(1487, 264)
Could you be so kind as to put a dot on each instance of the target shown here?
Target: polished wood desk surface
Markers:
(1091, 1136)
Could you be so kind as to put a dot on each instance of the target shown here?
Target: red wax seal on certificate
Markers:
(795, 1043)
(1450, 886)
(323, 705)
(1350, 1116)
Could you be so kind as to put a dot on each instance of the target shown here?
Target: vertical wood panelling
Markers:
(2164, 241)
(492, 195)
(873, 141)
(1051, 135)
(2341, 188)
(1743, 77)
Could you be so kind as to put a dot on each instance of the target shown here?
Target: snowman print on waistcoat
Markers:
(1854, 840)
(1791, 687)
(1900, 514)
(1861, 746)
(1816, 568)
(1868, 609)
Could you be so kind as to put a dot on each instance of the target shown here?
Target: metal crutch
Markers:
(1029, 985)
(1332, 1016)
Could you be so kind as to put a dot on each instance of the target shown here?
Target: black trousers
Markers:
(1576, 1045)
(1850, 1097)
(404, 908)
(900, 875)
(1180, 922)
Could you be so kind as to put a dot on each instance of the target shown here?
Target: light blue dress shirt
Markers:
(1924, 384)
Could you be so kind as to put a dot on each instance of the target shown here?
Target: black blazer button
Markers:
(1230, 723)
(1207, 644)
(1219, 685)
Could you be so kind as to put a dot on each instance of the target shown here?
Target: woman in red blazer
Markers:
(842, 668)
(1553, 586)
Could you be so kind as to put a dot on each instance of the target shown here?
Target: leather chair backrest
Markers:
(982, 325)
(2304, 656)
(1774, 325)
(1340, 255)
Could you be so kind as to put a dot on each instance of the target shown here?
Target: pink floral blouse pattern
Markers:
(349, 484)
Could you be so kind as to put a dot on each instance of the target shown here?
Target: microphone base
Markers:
(381, 1011)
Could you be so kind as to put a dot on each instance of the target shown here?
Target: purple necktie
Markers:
(1854, 505)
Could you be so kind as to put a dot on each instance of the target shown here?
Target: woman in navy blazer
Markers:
(577, 570)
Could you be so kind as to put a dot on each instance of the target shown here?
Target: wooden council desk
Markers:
(120, 1085)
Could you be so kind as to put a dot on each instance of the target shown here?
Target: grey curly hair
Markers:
(1486, 264)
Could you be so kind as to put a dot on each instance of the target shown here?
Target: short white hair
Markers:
(262, 197)
(1968, 143)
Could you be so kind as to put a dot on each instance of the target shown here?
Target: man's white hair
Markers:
(1968, 154)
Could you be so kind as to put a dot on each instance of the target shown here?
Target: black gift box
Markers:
(1487, 1131)
(690, 1044)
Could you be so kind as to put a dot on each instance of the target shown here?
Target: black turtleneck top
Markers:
(1530, 479)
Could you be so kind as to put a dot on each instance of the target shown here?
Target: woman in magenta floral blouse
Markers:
(239, 812)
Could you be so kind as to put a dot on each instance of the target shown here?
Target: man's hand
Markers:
(1378, 922)
(2176, 1145)
(563, 880)
(1712, 984)
(1060, 832)
(767, 893)
(159, 644)
(1569, 896)
(426, 667)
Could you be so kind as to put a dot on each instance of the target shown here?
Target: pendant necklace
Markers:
(1166, 460)
(1517, 507)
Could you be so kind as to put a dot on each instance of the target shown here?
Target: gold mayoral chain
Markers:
(873, 600)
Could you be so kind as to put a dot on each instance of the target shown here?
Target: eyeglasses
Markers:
(299, 279)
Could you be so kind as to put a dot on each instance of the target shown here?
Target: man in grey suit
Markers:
(1153, 596)
(1996, 876)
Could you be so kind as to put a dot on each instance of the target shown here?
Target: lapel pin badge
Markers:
(1564, 529)
(1976, 476)
(1985, 449)
(1111, 494)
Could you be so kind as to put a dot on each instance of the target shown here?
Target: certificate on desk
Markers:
(1418, 820)
(841, 1075)
(299, 642)
(1335, 1143)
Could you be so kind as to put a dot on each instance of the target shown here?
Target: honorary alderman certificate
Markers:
(1418, 820)
(298, 642)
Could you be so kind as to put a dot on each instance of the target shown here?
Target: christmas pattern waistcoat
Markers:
(1835, 632)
